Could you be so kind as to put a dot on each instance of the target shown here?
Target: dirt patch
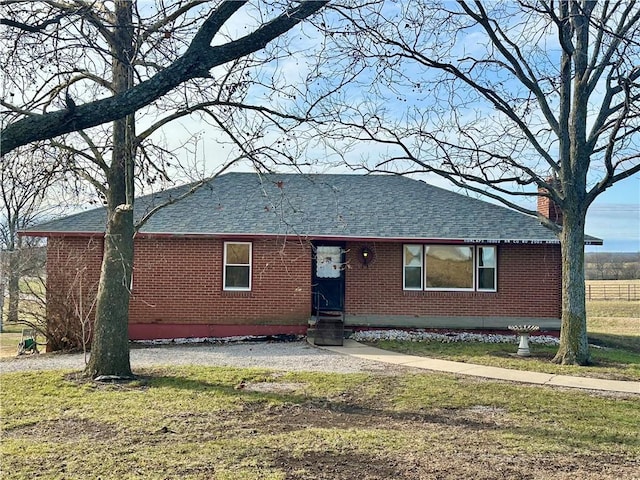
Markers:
(274, 387)
(285, 418)
(459, 445)
(450, 444)
(64, 429)
(441, 465)
(334, 465)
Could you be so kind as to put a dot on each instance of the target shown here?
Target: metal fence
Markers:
(613, 291)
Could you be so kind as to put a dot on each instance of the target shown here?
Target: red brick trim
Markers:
(152, 331)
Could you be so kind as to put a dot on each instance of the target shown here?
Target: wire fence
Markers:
(614, 291)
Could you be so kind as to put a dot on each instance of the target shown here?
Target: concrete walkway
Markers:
(359, 350)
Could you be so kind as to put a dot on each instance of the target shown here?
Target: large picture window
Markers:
(237, 266)
(449, 267)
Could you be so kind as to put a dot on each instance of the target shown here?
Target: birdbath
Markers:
(524, 331)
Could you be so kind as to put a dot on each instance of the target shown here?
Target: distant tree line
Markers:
(612, 266)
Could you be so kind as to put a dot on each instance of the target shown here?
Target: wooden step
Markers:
(329, 329)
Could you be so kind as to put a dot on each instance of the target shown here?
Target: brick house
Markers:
(262, 254)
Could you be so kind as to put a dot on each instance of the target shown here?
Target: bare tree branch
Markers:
(196, 62)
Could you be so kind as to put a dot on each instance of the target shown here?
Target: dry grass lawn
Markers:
(224, 423)
(9, 340)
(247, 424)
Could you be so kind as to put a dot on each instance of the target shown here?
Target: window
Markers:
(487, 269)
(412, 267)
(328, 262)
(237, 266)
(450, 267)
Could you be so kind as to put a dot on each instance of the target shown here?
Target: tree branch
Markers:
(196, 62)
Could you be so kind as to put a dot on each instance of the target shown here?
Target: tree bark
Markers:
(13, 277)
(1, 305)
(110, 344)
(13, 287)
(574, 346)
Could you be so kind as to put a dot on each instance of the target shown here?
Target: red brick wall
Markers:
(180, 281)
(73, 272)
(529, 282)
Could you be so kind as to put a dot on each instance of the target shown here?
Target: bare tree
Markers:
(505, 99)
(136, 59)
(24, 181)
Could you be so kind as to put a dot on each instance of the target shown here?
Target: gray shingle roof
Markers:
(340, 206)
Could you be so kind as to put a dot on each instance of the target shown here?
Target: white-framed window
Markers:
(449, 267)
(412, 267)
(237, 266)
(487, 269)
(328, 261)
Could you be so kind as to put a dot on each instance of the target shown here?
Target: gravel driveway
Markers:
(292, 356)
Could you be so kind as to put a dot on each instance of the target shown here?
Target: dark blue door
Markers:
(328, 276)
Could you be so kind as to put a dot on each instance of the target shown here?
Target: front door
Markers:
(328, 276)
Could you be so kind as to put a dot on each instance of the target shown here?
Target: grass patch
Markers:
(223, 423)
(9, 339)
(616, 309)
(613, 327)
(627, 327)
(611, 362)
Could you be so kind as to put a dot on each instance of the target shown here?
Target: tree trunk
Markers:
(110, 344)
(1, 305)
(13, 286)
(574, 346)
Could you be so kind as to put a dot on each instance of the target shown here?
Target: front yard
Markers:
(225, 423)
(231, 423)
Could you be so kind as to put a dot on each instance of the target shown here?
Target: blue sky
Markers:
(615, 217)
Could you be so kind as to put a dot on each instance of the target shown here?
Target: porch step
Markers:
(329, 328)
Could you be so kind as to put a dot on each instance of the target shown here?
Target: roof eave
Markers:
(49, 233)
(352, 238)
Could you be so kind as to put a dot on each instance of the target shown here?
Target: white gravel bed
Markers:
(452, 337)
(290, 356)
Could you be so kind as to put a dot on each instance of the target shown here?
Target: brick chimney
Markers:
(548, 207)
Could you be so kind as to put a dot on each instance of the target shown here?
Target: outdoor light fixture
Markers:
(366, 256)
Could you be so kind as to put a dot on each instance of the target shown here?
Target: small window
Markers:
(412, 273)
(487, 269)
(448, 267)
(329, 262)
(237, 266)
